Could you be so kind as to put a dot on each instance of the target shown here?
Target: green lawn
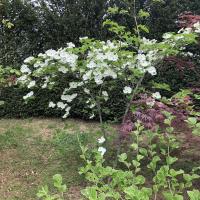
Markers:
(33, 150)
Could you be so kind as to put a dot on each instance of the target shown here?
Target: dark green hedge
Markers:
(39, 29)
(15, 106)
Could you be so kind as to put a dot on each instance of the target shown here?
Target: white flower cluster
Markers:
(30, 94)
(127, 90)
(101, 149)
(94, 63)
(102, 62)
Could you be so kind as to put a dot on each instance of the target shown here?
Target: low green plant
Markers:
(60, 188)
(194, 124)
(149, 169)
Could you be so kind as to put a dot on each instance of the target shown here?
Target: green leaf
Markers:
(143, 28)
(122, 157)
(170, 196)
(171, 160)
(43, 192)
(143, 14)
(162, 86)
(192, 120)
(194, 194)
(90, 193)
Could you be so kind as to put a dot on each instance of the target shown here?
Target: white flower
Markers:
(167, 35)
(42, 55)
(68, 98)
(98, 79)
(101, 140)
(52, 104)
(102, 150)
(31, 84)
(105, 93)
(145, 63)
(61, 105)
(110, 73)
(70, 45)
(44, 85)
(179, 37)
(63, 69)
(29, 59)
(190, 54)
(150, 102)
(127, 90)
(152, 70)
(100, 56)
(141, 57)
(92, 116)
(111, 56)
(28, 95)
(68, 58)
(52, 54)
(67, 112)
(83, 38)
(86, 91)
(87, 75)
(91, 65)
(22, 78)
(197, 27)
(187, 30)
(156, 95)
(25, 69)
(92, 105)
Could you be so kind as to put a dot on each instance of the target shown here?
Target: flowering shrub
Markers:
(96, 62)
(128, 58)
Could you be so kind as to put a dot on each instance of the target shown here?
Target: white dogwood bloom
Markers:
(91, 65)
(52, 104)
(22, 78)
(110, 73)
(66, 112)
(25, 69)
(127, 90)
(61, 105)
(52, 54)
(30, 94)
(70, 45)
(63, 69)
(92, 105)
(101, 140)
(68, 98)
(156, 95)
(104, 93)
(152, 70)
(92, 116)
(150, 102)
(74, 85)
(31, 84)
(102, 150)
(29, 59)
(86, 91)
(167, 35)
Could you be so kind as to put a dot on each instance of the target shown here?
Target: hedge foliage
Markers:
(52, 25)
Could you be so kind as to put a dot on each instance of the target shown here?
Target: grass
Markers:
(33, 150)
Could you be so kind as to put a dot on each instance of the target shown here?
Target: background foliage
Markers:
(52, 25)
